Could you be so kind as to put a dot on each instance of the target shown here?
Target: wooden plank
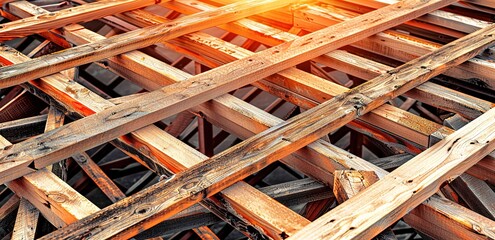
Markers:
(251, 155)
(477, 194)
(84, 13)
(407, 186)
(468, 224)
(200, 88)
(24, 128)
(56, 200)
(126, 42)
(348, 183)
(103, 182)
(153, 137)
(54, 120)
(26, 221)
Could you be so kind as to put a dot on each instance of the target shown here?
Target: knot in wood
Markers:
(359, 102)
(57, 197)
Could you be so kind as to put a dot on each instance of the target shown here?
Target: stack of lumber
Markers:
(260, 119)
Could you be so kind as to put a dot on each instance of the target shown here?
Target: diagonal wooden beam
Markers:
(53, 63)
(116, 121)
(150, 140)
(407, 186)
(309, 86)
(211, 176)
(84, 13)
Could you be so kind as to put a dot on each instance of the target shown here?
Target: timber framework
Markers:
(259, 119)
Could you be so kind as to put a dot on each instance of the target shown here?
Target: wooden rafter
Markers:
(295, 81)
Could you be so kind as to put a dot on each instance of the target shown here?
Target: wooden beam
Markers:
(26, 221)
(348, 183)
(257, 152)
(197, 89)
(84, 13)
(476, 193)
(53, 63)
(407, 186)
(387, 117)
(149, 140)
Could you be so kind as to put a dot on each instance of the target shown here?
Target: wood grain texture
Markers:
(211, 176)
(84, 13)
(407, 186)
(348, 183)
(129, 41)
(126, 117)
(150, 140)
(26, 221)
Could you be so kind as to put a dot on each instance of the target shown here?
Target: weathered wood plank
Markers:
(24, 128)
(150, 139)
(129, 116)
(56, 200)
(26, 221)
(103, 182)
(251, 155)
(407, 186)
(129, 41)
(476, 193)
(467, 224)
(348, 183)
(84, 13)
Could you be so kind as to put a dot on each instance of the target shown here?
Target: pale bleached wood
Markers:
(47, 21)
(407, 186)
(348, 183)
(129, 41)
(214, 174)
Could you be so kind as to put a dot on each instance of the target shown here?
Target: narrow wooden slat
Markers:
(26, 221)
(126, 42)
(106, 185)
(188, 187)
(54, 120)
(24, 128)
